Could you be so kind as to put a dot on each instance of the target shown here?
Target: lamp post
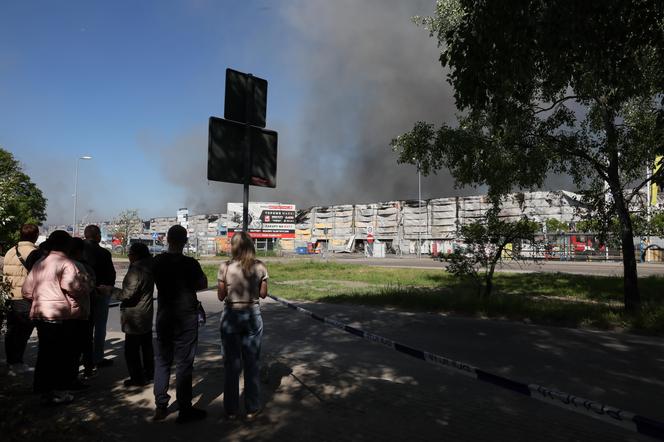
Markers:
(419, 211)
(75, 225)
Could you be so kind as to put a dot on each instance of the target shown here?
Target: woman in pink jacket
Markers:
(54, 287)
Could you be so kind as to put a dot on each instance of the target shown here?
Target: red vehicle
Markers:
(581, 244)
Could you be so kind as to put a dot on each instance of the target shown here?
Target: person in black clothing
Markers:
(102, 263)
(40, 252)
(137, 312)
(177, 277)
(80, 327)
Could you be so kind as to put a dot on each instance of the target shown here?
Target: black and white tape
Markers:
(612, 415)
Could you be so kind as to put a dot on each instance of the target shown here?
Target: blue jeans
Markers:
(241, 335)
(99, 319)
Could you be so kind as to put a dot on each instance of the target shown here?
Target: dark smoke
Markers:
(367, 74)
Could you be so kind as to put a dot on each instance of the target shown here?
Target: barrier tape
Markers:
(597, 410)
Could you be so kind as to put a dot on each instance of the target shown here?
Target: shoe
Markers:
(78, 386)
(56, 398)
(190, 414)
(253, 414)
(160, 413)
(105, 363)
(19, 369)
(25, 368)
(134, 383)
(90, 373)
(230, 416)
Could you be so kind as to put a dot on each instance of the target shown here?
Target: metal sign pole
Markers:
(247, 159)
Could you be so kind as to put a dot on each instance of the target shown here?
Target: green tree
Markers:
(554, 225)
(484, 243)
(656, 225)
(127, 224)
(556, 86)
(21, 201)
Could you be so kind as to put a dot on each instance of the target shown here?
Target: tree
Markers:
(127, 224)
(554, 225)
(21, 201)
(656, 224)
(556, 86)
(484, 243)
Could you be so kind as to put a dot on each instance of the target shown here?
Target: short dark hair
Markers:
(77, 245)
(91, 231)
(139, 250)
(29, 232)
(59, 241)
(177, 235)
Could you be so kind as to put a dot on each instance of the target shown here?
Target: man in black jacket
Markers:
(177, 277)
(102, 263)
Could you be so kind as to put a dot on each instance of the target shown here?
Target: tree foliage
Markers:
(21, 201)
(127, 224)
(484, 243)
(554, 225)
(555, 86)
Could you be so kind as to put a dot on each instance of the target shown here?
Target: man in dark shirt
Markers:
(177, 277)
(102, 263)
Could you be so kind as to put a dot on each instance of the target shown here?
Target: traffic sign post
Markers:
(240, 149)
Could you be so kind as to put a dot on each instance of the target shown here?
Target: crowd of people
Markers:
(63, 288)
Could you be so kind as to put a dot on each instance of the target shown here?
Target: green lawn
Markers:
(550, 298)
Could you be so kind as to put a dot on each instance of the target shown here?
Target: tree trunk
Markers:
(488, 276)
(632, 297)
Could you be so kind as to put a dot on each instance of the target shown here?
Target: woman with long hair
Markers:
(241, 282)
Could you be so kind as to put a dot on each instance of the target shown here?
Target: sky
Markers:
(133, 84)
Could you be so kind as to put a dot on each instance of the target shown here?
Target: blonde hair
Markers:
(242, 250)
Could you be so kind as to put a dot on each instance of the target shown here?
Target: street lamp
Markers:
(75, 225)
(419, 211)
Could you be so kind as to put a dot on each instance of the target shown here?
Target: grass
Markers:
(547, 298)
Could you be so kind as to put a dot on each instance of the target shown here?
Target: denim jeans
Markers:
(99, 319)
(241, 335)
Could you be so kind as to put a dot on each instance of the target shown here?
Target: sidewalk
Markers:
(326, 385)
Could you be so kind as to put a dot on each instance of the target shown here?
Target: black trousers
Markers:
(177, 343)
(19, 329)
(82, 339)
(135, 347)
(56, 356)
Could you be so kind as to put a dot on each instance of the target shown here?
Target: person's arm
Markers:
(130, 286)
(28, 286)
(200, 280)
(69, 281)
(222, 289)
(262, 292)
(106, 268)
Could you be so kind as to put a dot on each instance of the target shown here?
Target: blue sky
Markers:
(133, 83)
